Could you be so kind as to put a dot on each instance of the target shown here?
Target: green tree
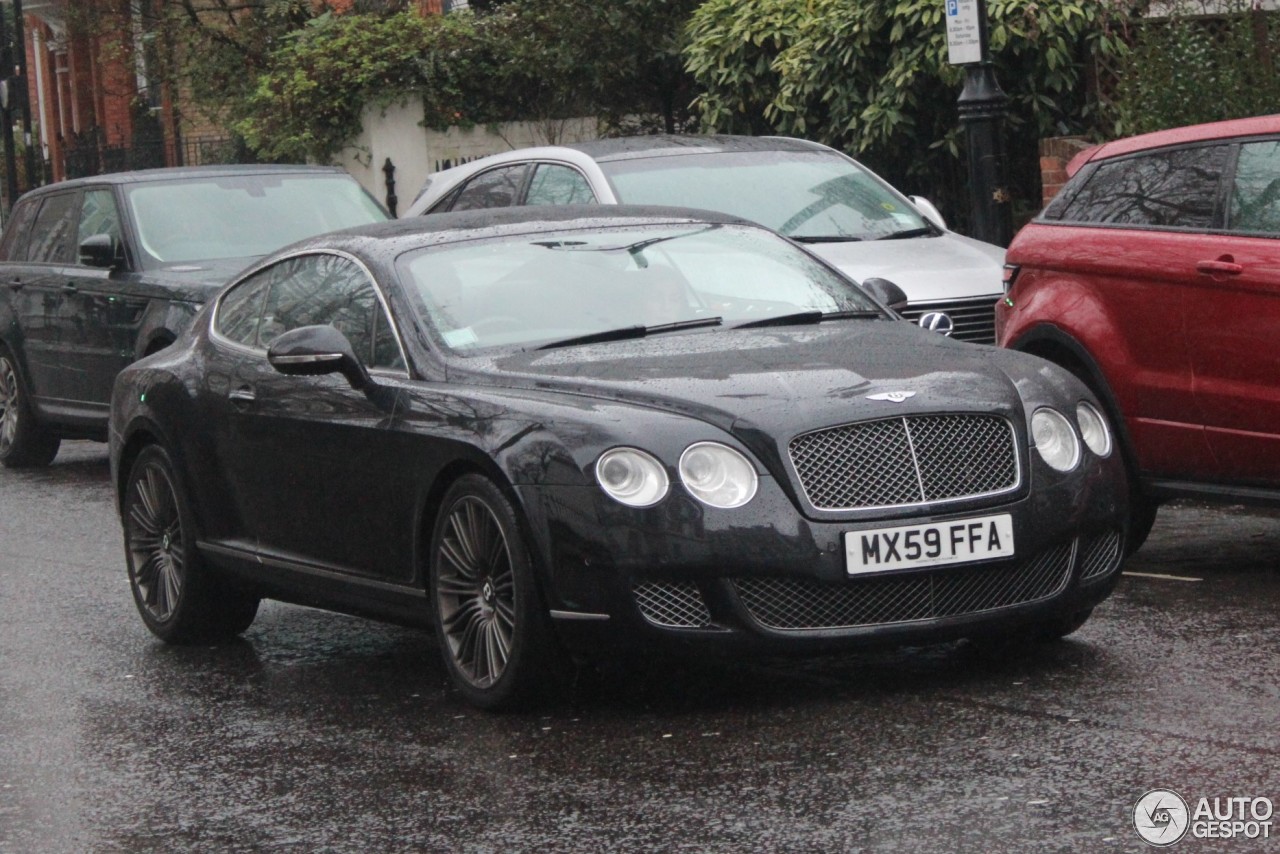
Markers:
(872, 78)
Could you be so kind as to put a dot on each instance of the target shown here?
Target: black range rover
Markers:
(96, 273)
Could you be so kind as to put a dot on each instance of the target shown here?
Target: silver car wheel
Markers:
(155, 537)
(475, 592)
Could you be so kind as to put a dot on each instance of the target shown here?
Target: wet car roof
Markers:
(174, 172)
(493, 222)
(625, 148)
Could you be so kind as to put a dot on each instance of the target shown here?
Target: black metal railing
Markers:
(89, 155)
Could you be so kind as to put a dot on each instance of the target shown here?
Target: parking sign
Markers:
(964, 32)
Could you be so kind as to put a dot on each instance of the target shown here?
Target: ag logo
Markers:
(1161, 817)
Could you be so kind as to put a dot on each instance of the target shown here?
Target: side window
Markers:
(241, 309)
(315, 289)
(13, 247)
(51, 233)
(98, 215)
(553, 184)
(1178, 188)
(496, 188)
(1255, 196)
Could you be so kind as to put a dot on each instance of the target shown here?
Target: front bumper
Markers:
(766, 577)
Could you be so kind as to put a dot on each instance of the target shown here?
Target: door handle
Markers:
(1221, 267)
(16, 286)
(70, 288)
(243, 395)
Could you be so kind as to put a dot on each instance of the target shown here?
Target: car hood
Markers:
(772, 382)
(196, 281)
(929, 269)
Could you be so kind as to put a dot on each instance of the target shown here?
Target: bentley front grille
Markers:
(1099, 555)
(902, 461)
(971, 319)
(672, 604)
(788, 604)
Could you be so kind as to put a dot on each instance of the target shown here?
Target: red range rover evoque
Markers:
(1155, 276)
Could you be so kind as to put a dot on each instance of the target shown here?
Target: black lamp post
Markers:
(983, 106)
(6, 114)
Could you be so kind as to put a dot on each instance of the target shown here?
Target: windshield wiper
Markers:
(925, 231)
(622, 333)
(801, 318)
(825, 238)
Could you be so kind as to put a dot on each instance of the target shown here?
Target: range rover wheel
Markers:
(490, 621)
(23, 442)
(180, 599)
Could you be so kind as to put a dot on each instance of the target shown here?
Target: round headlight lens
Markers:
(1054, 439)
(632, 477)
(718, 475)
(1093, 429)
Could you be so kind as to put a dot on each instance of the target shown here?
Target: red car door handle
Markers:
(1220, 267)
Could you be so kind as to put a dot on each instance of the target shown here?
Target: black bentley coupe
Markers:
(551, 431)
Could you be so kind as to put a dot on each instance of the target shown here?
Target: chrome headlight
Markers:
(1054, 439)
(632, 477)
(1093, 429)
(718, 475)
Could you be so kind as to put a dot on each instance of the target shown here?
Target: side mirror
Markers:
(886, 292)
(930, 212)
(314, 350)
(102, 250)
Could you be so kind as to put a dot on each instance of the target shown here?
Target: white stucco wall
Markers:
(397, 133)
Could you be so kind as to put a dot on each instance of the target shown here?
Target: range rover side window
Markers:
(98, 215)
(51, 234)
(1255, 195)
(13, 247)
(1175, 188)
(496, 188)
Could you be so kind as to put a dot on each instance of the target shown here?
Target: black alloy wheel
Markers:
(22, 442)
(490, 622)
(179, 598)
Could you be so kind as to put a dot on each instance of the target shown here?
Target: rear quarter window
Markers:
(13, 246)
(1175, 188)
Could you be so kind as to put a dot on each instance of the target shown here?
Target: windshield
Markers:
(240, 216)
(806, 195)
(556, 286)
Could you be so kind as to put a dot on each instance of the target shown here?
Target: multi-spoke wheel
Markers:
(179, 599)
(22, 441)
(490, 620)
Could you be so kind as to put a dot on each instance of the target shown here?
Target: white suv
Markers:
(811, 193)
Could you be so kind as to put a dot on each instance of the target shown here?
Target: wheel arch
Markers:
(1054, 345)
(432, 502)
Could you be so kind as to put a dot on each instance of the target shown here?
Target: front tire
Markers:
(492, 627)
(23, 442)
(179, 598)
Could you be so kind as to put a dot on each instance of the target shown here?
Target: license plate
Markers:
(961, 541)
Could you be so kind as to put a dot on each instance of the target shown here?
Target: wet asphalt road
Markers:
(319, 732)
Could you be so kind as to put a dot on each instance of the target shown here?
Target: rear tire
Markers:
(180, 599)
(492, 627)
(23, 442)
(1142, 516)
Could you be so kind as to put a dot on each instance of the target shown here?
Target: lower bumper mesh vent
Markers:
(672, 604)
(788, 604)
(1099, 555)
